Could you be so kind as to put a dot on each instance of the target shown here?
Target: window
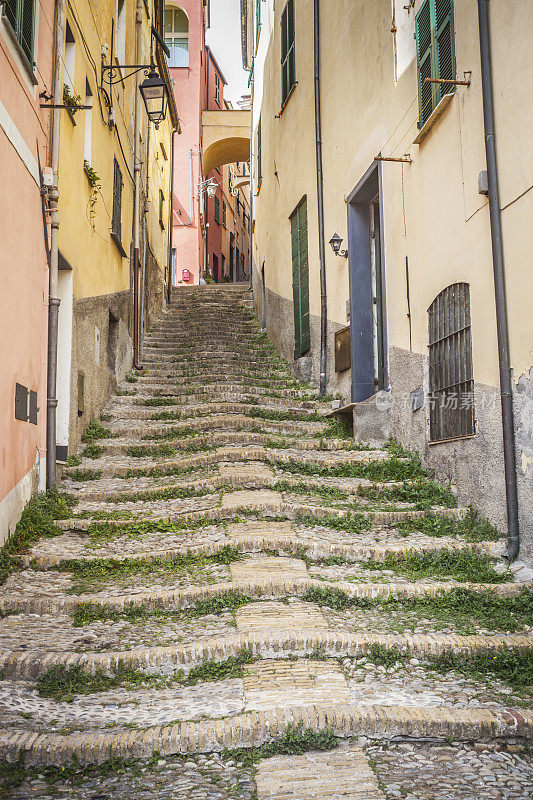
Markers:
(87, 146)
(177, 36)
(451, 380)
(215, 267)
(161, 208)
(223, 265)
(21, 16)
(300, 280)
(116, 220)
(217, 209)
(257, 19)
(70, 61)
(217, 88)
(121, 31)
(224, 213)
(259, 173)
(435, 54)
(288, 65)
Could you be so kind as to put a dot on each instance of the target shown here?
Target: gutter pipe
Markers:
(320, 199)
(171, 219)
(136, 188)
(53, 300)
(509, 448)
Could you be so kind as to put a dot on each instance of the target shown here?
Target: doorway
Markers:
(367, 287)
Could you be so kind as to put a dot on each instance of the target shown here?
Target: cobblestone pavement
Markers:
(245, 602)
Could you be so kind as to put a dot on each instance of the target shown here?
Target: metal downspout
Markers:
(136, 188)
(251, 193)
(53, 300)
(509, 452)
(171, 223)
(320, 199)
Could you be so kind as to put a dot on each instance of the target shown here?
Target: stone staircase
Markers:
(239, 572)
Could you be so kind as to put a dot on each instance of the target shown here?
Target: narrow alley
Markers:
(238, 599)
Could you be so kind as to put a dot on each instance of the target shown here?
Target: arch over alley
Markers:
(226, 138)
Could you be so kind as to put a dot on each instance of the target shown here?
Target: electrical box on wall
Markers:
(185, 275)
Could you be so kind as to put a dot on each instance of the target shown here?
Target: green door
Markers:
(300, 280)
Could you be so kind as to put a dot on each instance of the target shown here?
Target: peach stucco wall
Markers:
(23, 267)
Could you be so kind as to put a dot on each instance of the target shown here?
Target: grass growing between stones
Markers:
(349, 523)
(389, 469)
(87, 613)
(283, 416)
(168, 493)
(103, 570)
(36, 522)
(80, 475)
(94, 431)
(101, 532)
(93, 451)
(512, 665)
(472, 527)
(460, 605)
(294, 741)
(421, 492)
(62, 683)
(461, 565)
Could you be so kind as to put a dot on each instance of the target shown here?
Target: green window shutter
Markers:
(424, 61)
(21, 16)
(288, 63)
(259, 172)
(444, 41)
(300, 280)
(435, 53)
(257, 18)
(217, 209)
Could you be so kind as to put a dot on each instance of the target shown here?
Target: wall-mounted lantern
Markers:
(335, 243)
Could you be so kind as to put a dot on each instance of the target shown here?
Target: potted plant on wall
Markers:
(94, 183)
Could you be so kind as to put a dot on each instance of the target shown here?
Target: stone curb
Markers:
(270, 644)
(271, 589)
(257, 727)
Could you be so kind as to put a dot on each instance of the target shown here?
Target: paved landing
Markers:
(342, 774)
(276, 616)
(276, 684)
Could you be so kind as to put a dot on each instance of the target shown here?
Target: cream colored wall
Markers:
(432, 212)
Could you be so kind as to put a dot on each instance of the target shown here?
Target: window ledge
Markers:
(118, 243)
(437, 112)
(452, 439)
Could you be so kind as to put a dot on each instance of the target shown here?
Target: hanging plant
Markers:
(94, 182)
(73, 101)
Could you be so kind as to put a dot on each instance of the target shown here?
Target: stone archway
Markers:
(226, 138)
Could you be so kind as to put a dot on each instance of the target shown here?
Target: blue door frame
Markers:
(360, 272)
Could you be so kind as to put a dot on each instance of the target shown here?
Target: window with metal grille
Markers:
(116, 220)
(435, 53)
(217, 209)
(217, 88)
(288, 62)
(21, 17)
(451, 378)
(300, 279)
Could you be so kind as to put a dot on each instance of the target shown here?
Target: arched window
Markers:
(451, 376)
(177, 36)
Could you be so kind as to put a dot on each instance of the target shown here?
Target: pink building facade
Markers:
(199, 235)
(26, 46)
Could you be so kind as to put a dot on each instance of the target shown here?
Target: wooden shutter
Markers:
(288, 64)
(21, 16)
(116, 223)
(444, 42)
(435, 53)
(424, 61)
(300, 280)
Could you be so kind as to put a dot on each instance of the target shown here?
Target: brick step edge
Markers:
(256, 589)
(257, 727)
(255, 544)
(269, 644)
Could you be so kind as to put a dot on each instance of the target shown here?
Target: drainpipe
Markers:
(320, 198)
(250, 247)
(137, 187)
(509, 451)
(171, 215)
(53, 300)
